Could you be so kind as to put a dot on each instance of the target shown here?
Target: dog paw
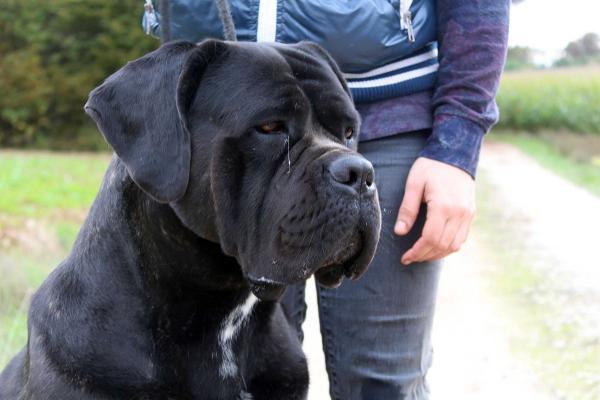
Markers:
(245, 396)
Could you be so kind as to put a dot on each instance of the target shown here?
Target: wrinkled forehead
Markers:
(286, 75)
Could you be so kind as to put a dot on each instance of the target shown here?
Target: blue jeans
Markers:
(376, 331)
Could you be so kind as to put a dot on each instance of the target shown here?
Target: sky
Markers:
(549, 25)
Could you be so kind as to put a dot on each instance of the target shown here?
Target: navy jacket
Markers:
(396, 56)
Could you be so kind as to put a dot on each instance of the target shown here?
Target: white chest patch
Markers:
(229, 329)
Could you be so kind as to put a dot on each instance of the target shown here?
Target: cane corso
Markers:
(235, 174)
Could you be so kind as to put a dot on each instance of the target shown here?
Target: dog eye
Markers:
(349, 132)
(271, 127)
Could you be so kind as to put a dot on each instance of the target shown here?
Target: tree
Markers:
(582, 51)
(587, 46)
(52, 53)
(519, 57)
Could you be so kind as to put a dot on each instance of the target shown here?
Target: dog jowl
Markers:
(235, 174)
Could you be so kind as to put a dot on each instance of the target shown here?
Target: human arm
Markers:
(472, 39)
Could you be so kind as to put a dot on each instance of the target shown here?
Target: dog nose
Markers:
(353, 171)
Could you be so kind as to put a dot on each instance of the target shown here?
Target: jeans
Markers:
(376, 331)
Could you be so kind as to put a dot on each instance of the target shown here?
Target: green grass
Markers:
(44, 198)
(38, 184)
(21, 275)
(585, 173)
(567, 98)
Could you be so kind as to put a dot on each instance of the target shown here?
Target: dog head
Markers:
(254, 147)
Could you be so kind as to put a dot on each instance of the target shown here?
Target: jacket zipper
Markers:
(406, 19)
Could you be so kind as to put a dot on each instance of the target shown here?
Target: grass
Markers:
(22, 274)
(583, 171)
(38, 184)
(566, 98)
(44, 198)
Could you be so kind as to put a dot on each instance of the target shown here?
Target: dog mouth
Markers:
(350, 258)
(267, 289)
(343, 263)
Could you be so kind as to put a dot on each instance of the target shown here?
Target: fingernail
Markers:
(400, 227)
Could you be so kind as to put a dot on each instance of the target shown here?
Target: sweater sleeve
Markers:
(472, 40)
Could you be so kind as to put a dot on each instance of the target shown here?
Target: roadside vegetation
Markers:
(52, 53)
(44, 199)
(553, 115)
(554, 99)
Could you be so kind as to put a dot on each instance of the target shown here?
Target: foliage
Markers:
(519, 57)
(52, 53)
(584, 50)
(555, 99)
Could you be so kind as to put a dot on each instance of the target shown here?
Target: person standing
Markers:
(423, 75)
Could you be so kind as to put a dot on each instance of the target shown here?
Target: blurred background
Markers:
(519, 308)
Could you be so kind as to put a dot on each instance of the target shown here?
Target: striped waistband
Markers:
(399, 78)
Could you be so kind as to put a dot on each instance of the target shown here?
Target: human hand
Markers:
(449, 193)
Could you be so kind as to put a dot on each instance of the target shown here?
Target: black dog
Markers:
(235, 175)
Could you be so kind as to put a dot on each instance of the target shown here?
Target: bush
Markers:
(52, 54)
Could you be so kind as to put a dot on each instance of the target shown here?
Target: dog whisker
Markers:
(287, 142)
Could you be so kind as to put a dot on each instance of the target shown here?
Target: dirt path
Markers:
(557, 225)
(558, 219)
(472, 355)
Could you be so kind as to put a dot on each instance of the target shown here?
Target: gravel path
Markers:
(557, 220)
(558, 226)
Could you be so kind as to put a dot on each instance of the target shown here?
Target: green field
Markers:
(44, 199)
(555, 99)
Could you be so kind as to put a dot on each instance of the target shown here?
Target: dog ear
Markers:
(142, 109)
(318, 51)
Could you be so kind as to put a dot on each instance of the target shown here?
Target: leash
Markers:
(164, 7)
(226, 19)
